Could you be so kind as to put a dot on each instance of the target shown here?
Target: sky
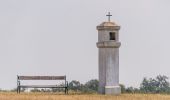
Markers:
(58, 37)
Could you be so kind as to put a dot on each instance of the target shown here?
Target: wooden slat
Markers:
(41, 86)
(41, 77)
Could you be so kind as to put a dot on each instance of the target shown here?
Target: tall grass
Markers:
(52, 96)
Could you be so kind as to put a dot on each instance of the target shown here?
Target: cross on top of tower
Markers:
(109, 15)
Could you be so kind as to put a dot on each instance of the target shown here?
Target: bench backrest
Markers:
(41, 77)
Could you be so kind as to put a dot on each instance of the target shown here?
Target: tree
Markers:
(92, 85)
(35, 90)
(89, 87)
(148, 85)
(74, 85)
(162, 83)
(157, 85)
(123, 89)
(130, 90)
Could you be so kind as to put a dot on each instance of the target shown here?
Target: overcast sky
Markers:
(58, 37)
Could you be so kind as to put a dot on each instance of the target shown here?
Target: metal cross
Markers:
(109, 16)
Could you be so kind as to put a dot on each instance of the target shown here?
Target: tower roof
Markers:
(108, 25)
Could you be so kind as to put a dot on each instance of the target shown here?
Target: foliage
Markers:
(92, 85)
(89, 87)
(58, 89)
(15, 90)
(123, 89)
(157, 85)
(74, 85)
(35, 90)
(132, 90)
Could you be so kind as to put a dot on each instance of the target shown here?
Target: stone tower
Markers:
(108, 44)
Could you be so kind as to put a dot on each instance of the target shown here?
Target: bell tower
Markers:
(108, 44)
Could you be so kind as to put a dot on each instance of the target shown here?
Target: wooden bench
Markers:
(19, 86)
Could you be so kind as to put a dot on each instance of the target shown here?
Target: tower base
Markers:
(112, 90)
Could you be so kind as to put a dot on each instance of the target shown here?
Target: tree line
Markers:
(159, 84)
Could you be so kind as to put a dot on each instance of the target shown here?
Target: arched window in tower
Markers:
(112, 36)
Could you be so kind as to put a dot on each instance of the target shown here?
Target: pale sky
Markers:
(58, 37)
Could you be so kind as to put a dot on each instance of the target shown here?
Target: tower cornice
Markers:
(108, 44)
(108, 26)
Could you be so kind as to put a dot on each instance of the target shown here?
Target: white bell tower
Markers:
(108, 44)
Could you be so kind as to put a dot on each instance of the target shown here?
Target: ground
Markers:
(52, 96)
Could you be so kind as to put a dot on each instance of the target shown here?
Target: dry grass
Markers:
(51, 96)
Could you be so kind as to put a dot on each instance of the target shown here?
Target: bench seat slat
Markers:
(41, 86)
(41, 77)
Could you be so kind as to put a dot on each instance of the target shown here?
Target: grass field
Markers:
(51, 96)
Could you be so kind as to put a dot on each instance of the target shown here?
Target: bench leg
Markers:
(65, 90)
(19, 89)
